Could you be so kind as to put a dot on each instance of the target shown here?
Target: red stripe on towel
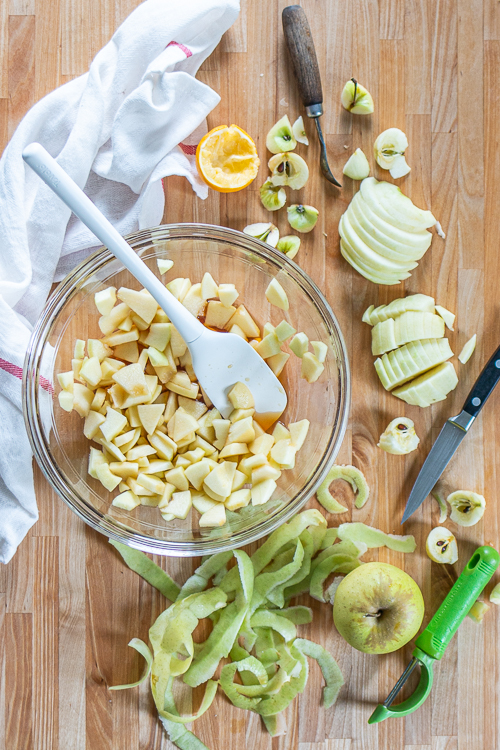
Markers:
(188, 150)
(183, 47)
(17, 372)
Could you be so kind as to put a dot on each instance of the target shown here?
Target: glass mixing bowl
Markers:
(56, 436)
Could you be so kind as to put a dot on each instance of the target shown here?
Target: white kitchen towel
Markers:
(117, 130)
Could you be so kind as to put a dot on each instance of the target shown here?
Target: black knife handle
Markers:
(301, 48)
(484, 385)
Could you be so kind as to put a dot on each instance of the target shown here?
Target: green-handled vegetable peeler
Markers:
(432, 642)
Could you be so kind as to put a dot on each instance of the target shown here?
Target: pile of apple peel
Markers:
(253, 622)
(383, 234)
(160, 440)
(409, 336)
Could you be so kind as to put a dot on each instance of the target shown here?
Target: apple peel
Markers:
(443, 508)
(372, 537)
(147, 569)
(330, 669)
(142, 649)
(349, 474)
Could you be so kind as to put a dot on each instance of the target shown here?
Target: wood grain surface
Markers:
(68, 606)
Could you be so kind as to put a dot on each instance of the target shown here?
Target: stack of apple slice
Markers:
(383, 234)
(410, 337)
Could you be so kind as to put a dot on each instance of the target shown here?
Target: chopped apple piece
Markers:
(298, 432)
(244, 320)
(140, 451)
(91, 371)
(202, 502)
(247, 465)
(262, 444)
(299, 344)
(177, 478)
(66, 400)
(108, 323)
(99, 398)
(197, 473)
(132, 379)
(105, 300)
(277, 361)
(180, 504)
(179, 288)
(214, 517)
(266, 471)
(93, 421)
(269, 346)
(284, 331)
(79, 352)
(125, 469)
(106, 478)
(66, 380)
(96, 348)
(220, 480)
(193, 301)
(164, 265)
(126, 500)
(163, 445)
(276, 295)
(218, 315)
(283, 452)
(237, 331)
(320, 350)
(125, 337)
(241, 431)
(263, 492)
(166, 496)
(311, 367)
(221, 427)
(467, 351)
(96, 458)
(447, 316)
(241, 397)
(238, 499)
(195, 408)
(158, 335)
(228, 294)
(209, 289)
(128, 352)
(150, 415)
(239, 414)
(141, 303)
(239, 480)
(234, 449)
(181, 424)
(177, 343)
(82, 399)
(478, 611)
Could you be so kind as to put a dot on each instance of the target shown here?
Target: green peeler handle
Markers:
(443, 626)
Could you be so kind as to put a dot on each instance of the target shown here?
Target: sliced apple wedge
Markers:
(411, 326)
(410, 361)
(369, 254)
(412, 244)
(401, 210)
(414, 302)
(430, 387)
(361, 267)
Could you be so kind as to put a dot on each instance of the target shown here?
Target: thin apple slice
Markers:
(383, 337)
(369, 255)
(466, 352)
(414, 302)
(447, 316)
(478, 611)
(411, 326)
(430, 387)
(383, 246)
(413, 244)
(351, 257)
(396, 208)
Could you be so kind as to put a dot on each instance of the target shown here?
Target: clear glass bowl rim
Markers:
(70, 286)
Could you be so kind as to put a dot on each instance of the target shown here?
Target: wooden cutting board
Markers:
(68, 606)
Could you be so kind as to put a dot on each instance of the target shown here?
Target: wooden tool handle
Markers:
(301, 48)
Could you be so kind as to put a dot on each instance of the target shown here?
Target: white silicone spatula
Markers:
(219, 359)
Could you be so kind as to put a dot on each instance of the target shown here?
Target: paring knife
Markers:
(452, 434)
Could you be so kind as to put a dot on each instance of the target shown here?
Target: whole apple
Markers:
(378, 608)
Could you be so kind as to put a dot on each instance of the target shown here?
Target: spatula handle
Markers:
(472, 580)
(68, 191)
(303, 55)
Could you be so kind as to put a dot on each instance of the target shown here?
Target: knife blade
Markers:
(452, 434)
